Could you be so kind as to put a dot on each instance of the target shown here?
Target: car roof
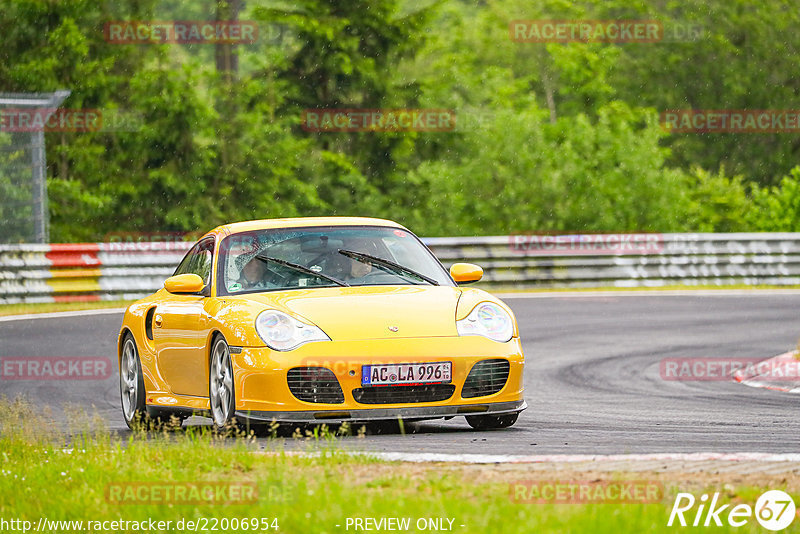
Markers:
(264, 224)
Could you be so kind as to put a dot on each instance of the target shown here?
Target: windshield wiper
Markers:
(389, 265)
(301, 269)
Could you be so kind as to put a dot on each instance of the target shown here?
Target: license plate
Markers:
(406, 373)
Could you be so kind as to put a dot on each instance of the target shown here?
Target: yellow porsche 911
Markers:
(318, 320)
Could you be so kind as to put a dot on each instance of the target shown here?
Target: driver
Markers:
(251, 276)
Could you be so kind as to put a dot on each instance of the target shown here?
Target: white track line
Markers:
(653, 293)
(60, 315)
(576, 458)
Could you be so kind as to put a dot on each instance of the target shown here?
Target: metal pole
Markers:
(49, 102)
(40, 213)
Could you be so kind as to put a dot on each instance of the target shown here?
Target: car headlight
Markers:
(488, 320)
(281, 331)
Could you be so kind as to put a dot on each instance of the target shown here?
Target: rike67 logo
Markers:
(774, 511)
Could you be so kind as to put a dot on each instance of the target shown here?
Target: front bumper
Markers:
(407, 413)
(263, 394)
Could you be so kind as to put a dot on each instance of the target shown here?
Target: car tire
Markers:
(221, 392)
(131, 383)
(491, 422)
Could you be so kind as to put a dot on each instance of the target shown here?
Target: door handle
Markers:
(158, 320)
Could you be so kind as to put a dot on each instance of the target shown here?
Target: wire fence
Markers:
(23, 168)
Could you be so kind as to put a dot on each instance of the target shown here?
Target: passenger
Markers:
(359, 269)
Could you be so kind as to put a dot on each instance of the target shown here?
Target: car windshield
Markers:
(292, 258)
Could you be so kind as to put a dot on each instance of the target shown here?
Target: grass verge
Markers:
(93, 476)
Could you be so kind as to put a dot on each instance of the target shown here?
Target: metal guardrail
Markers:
(628, 260)
(86, 271)
(110, 271)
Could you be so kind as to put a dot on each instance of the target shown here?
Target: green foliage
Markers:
(717, 203)
(577, 174)
(777, 208)
(549, 136)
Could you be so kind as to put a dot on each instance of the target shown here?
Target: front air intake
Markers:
(315, 384)
(487, 377)
(403, 394)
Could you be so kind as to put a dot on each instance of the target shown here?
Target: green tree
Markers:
(777, 208)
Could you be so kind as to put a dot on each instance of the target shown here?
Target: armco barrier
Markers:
(108, 271)
(86, 271)
(628, 260)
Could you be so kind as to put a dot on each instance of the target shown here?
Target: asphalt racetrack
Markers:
(592, 378)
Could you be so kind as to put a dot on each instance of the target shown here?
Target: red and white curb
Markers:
(781, 374)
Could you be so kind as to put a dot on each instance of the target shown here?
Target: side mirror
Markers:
(184, 283)
(463, 273)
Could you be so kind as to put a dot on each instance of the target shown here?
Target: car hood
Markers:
(371, 312)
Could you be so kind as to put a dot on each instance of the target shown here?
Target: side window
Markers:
(183, 268)
(198, 261)
(202, 264)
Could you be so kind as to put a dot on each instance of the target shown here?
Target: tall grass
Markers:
(65, 474)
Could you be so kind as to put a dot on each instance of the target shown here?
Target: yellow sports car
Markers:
(317, 320)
